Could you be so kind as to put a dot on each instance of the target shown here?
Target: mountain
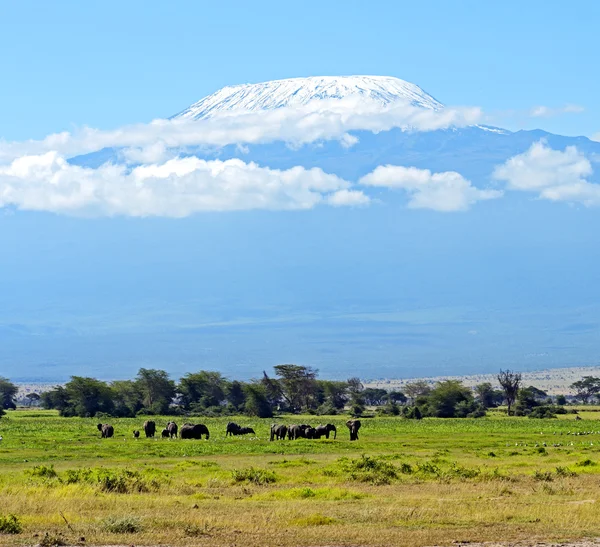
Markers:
(378, 291)
(302, 91)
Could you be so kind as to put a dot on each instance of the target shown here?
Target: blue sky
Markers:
(72, 63)
(318, 237)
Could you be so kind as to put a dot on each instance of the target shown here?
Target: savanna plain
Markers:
(404, 482)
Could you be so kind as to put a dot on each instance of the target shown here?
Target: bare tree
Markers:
(510, 382)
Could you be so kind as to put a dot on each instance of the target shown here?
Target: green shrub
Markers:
(543, 476)
(369, 469)
(10, 524)
(43, 471)
(122, 525)
(256, 476)
(565, 472)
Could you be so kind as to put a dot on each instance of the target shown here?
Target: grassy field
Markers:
(429, 482)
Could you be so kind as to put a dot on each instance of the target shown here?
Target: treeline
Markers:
(292, 389)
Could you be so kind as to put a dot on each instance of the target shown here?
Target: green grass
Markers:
(404, 482)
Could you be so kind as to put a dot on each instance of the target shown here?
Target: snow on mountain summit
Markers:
(302, 91)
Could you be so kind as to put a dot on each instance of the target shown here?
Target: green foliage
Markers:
(449, 399)
(121, 525)
(487, 396)
(299, 385)
(510, 382)
(156, 388)
(253, 475)
(315, 520)
(371, 469)
(8, 394)
(586, 388)
(10, 524)
(257, 402)
(119, 481)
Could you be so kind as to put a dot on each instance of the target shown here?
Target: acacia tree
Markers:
(586, 388)
(510, 382)
(8, 393)
(299, 385)
(156, 388)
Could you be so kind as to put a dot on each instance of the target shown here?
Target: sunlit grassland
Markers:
(404, 482)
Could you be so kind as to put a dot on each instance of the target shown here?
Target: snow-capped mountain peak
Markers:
(302, 91)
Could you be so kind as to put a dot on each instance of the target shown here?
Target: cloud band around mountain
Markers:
(176, 188)
(323, 120)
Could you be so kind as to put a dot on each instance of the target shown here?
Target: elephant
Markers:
(278, 432)
(235, 429)
(310, 433)
(232, 429)
(106, 430)
(299, 431)
(149, 428)
(165, 433)
(353, 426)
(172, 429)
(194, 431)
(325, 430)
(136, 434)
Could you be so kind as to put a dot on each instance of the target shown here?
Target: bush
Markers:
(44, 471)
(119, 481)
(546, 411)
(326, 409)
(10, 524)
(256, 476)
(122, 525)
(369, 469)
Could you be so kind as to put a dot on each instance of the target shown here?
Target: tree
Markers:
(488, 396)
(509, 382)
(128, 398)
(257, 403)
(375, 396)
(235, 394)
(561, 400)
(273, 390)
(527, 399)
(357, 401)
(586, 388)
(56, 399)
(202, 389)
(157, 390)
(8, 393)
(32, 398)
(299, 385)
(416, 389)
(335, 393)
(449, 399)
(397, 397)
(87, 396)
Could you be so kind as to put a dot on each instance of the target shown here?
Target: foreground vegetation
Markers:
(405, 482)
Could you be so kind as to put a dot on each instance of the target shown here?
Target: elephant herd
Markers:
(197, 431)
(305, 431)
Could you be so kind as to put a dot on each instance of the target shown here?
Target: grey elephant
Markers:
(325, 430)
(172, 429)
(149, 428)
(194, 431)
(136, 434)
(278, 432)
(232, 429)
(299, 432)
(164, 433)
(106, 430)
(246, 431)
(353, 426)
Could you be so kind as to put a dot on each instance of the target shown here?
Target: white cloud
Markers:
(321, 120)
(556, 175)
(351, 198)
(447, 191)
(176, 188)
(548, 112)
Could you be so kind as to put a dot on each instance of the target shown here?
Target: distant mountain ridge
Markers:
(302, 91)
